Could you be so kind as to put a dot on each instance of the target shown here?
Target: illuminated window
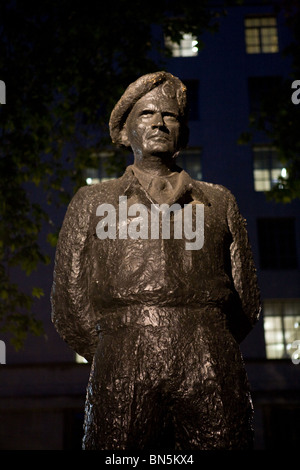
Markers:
(92, 175)
(277, 243)
(188, 46)
(281, 327)
(267, 168)
(190, 161)
(261, 35)
(108, 165)
(80, 359)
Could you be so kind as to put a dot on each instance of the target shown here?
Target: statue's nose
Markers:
(157, 120)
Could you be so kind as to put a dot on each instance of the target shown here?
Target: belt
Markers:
(157, 316)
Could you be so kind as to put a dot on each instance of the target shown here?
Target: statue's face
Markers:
(153, 126)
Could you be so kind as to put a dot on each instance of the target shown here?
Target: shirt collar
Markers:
(187, 188)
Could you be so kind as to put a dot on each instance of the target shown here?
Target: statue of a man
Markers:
(160, 320)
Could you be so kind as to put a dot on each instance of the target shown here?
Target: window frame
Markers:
(180, 50)
(183, 163)
(282, 309)
(97, 173)
(262, 39)
(265, 178)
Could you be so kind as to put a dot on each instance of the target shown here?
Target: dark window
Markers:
(277, 243)
(261, 90)
(282, 426)
(193, 98)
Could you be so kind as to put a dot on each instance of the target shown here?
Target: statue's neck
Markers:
(156, 165)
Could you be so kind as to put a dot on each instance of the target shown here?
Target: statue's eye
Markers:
(147, 113)
(170, 116)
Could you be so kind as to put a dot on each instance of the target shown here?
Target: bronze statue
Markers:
(160, 323)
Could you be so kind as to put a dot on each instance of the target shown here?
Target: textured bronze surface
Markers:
(160, 324)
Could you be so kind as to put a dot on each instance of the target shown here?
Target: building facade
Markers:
(43, 386)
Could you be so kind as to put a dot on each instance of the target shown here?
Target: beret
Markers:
(137, 90)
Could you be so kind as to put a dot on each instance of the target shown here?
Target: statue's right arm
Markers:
(72, 312)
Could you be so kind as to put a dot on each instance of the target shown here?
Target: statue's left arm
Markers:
(248, 304)
(72, 312)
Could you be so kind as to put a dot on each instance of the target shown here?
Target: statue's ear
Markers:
(124, 140)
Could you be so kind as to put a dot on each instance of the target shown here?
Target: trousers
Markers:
(172, 380)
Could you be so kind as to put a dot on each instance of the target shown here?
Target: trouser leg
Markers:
(110, 392)
(126, 406)
(212, 409)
